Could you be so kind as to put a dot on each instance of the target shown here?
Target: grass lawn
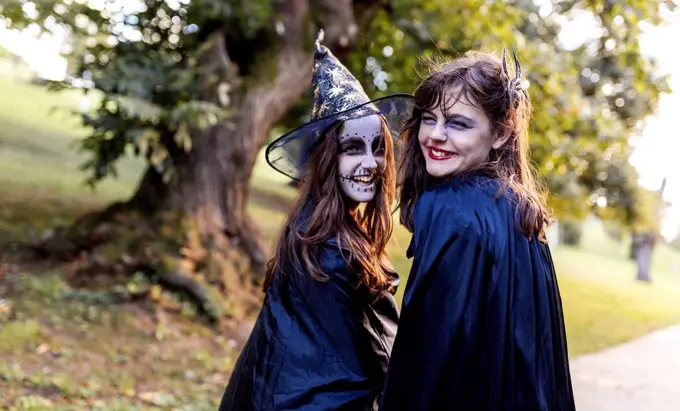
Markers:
(67, 349)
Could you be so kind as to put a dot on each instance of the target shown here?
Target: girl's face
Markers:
(362, 157)
(456, 140)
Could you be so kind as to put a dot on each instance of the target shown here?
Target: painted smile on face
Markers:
(362, 159)
(456, 140)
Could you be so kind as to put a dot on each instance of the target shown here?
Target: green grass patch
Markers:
(604, 305)
(73, 349)
(18, 335)
(39, 132)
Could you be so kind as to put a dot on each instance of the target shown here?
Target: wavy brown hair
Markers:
(364, 233)
(480, 77)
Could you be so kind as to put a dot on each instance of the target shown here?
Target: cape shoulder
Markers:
(474, 205)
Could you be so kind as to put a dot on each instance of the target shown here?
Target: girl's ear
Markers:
(501, 138)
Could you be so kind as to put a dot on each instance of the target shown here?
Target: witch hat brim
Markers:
(289, 153)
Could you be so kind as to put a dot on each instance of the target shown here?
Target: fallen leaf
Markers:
(42, 348)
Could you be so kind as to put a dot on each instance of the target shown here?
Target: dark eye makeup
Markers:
(352, 144)
(457, 121)
(378, 145)
(357, 145)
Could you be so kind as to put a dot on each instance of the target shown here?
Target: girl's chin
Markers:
(441, 169)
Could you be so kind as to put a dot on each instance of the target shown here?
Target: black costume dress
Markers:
(316, 345)
(481, 325)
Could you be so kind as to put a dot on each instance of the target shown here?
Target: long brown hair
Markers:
(481, 79)
(364, 233)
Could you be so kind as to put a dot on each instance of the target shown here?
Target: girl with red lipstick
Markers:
(481, 326)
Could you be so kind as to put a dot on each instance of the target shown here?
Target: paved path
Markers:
(641, 375)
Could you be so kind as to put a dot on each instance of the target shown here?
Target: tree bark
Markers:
(643, 256)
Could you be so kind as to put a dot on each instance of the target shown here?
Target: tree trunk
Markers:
(643, 257)
(193, 234)
(634, 245)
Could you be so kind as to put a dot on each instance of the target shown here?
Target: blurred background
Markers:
(137, 211)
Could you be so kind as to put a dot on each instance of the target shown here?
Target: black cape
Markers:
(481, 325)
(315, 345)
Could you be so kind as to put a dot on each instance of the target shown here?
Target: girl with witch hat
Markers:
(324, 334)
(481, 325)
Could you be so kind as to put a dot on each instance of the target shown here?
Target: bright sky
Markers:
(656, 149)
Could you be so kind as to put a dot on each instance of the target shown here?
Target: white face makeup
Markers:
(362, 157)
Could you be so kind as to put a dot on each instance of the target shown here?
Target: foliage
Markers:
(648, 210)
(587, 101)
(571, 232)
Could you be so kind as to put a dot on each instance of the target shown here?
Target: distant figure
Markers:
(481, 325)
(324, 335)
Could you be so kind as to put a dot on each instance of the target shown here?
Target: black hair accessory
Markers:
(514, 90)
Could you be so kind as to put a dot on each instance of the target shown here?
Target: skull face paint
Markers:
(361, 160)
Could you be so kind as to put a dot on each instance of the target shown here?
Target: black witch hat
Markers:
(338, 96)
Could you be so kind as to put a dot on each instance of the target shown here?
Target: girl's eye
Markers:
(353, 149)
(458, 125)
(429, 121)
